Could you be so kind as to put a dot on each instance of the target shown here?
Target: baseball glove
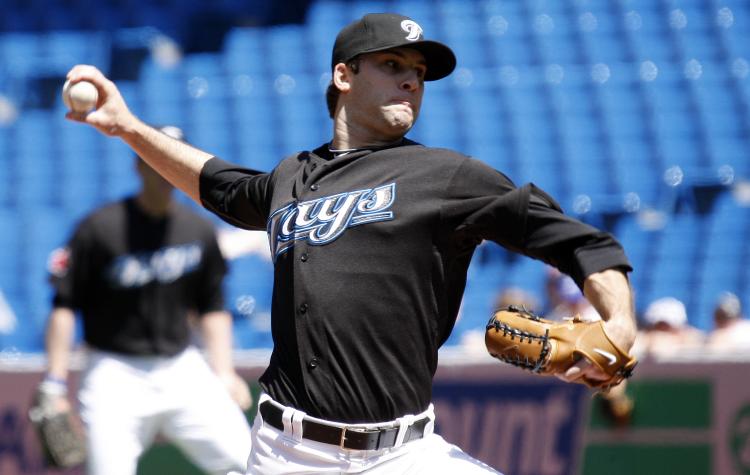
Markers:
(63, 445)
(546, 347)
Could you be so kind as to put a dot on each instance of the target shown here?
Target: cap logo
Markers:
(411, 27)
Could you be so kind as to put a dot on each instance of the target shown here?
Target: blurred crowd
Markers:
(664, 331)
(664, 326)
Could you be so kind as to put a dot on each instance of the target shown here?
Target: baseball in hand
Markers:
(80, 97)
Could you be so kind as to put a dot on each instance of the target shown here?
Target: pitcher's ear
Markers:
(342, 77)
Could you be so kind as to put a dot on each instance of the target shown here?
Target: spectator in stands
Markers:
(731, 330)
(138, 271)
(667, 331)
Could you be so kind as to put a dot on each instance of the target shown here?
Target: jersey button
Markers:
(314, 187)
(303, 308)
(313, 363)
(303, 257)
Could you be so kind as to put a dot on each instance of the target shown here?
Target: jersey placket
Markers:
(309, 336)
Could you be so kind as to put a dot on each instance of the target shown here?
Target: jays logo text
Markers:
(164, 265)
(323, 220)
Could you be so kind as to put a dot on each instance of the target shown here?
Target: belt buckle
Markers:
(343, 439)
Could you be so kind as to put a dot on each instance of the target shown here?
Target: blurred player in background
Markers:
(139, 271)
(372, 235)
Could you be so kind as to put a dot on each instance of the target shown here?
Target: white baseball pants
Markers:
(126, 401)
(287, 452)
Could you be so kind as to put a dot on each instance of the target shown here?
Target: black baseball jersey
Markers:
(371, 250)
(135, 278)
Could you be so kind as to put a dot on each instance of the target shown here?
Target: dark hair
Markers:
(332, 98)
(333, 93)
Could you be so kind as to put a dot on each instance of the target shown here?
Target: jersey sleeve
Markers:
(237, 195)
(69, 268)
(210, 296)
(485, 204)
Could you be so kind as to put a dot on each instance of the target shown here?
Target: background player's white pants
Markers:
(276, 452)
(126, 401)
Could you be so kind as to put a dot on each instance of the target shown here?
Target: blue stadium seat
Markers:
(19, 50)
(101, 16)
(653, 47)
(730, 150)
(718, 96)
(286, 51)
(723, 123)
(11, 241)
(560, 49)
(573, 99)
(506, 18)
(681, 150)
(667, 95)
(579, 127)
(7, 172)
(625, 126)
(606, 20)
(701, 18)
(526, 100)
(63, 49)
(362, 7)
(164, 17)
(202, 64)
(462, 29)
(636, 169)
(160, 83)
(540, 163)
(45, 229)
(621, 98)
(248, 288)
(328, 12)
(439, 129)
(244, 50)
(736, 42)
(699, 45)
(652, 18)
(673, 260)
(637, 244)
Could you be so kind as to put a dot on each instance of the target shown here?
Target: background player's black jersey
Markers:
(135, 278)
(371, 252)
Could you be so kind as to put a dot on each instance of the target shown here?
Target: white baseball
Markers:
(80, 97)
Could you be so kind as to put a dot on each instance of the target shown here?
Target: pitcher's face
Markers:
(386, 93)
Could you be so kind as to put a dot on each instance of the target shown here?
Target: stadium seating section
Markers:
(634, 114)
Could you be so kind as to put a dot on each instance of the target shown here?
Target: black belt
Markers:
(354, 438)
